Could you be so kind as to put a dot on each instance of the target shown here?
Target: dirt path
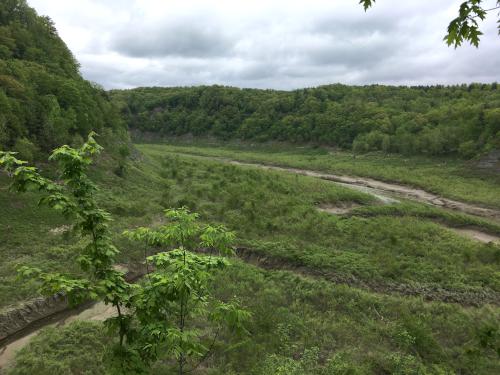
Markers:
(97, 312)
(471, 233)
(476, 235)
(384, 190)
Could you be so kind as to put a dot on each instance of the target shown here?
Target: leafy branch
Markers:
(465, 27)
(74, 196)
(177, 294)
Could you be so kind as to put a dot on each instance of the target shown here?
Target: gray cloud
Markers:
(269, 43)
(186, 39)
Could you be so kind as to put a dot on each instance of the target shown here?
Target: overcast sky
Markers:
(269, 43)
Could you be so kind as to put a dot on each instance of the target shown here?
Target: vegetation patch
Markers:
(309, 326)
(447, 177)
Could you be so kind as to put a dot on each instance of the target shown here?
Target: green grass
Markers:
(300, 324)
(272, 212)
(305, 326)
(275, 213)
(447, 177)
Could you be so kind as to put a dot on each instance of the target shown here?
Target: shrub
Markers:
(26, 149)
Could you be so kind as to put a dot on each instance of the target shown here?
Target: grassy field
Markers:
(273, 213)
(450, 178)
(302, 324)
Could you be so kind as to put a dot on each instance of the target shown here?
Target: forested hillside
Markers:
(437, 120)
(44, 102)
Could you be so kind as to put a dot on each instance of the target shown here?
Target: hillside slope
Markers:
(44, 102)
(438, 120)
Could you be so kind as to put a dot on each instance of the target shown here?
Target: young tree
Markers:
(175, 302)
(74, 196)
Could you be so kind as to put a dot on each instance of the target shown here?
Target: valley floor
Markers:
(446, 177)
(339, 280)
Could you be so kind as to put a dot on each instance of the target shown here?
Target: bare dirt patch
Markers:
(338, 209)
(97, 312)
(60, 230)
(477, 235)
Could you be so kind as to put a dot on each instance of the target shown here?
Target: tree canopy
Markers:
(44, 102)
(436, 120)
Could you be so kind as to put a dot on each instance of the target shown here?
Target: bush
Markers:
(467, 149)
(26, 149)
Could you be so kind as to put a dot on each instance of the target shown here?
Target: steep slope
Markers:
(44, 102)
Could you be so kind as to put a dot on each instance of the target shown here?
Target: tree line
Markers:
(434, 120)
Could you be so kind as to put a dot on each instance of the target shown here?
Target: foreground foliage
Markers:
(174, 299)
(158, 314)
(74, 197)
(305, 326)
(465, 27)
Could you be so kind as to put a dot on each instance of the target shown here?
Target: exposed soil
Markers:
(97, 312)
(385, 188)
(476, 235)
(19, 324)
(338, 209)
(60, 230)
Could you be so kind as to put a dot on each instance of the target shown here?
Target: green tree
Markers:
(75, 198)
(465, 27)
(176, 298)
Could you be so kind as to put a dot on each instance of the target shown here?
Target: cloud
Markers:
(187, 37)
(269, 44)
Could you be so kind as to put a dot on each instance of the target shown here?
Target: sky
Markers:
(270, 43)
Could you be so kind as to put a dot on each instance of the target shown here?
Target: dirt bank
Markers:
(21, 321)
(96, 312)
(474, 298)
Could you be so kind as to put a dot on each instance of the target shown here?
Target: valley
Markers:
(219, 202)
(385, 246)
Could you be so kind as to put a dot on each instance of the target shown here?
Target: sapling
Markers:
(74, 196)
(176, 298)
